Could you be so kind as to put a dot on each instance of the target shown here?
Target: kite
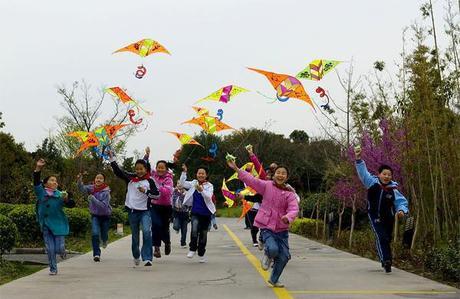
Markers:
(224, 94)
(210, 124)
(249, 167)
(213, 150)
(286, 86)
(207, 159)
(185, 138)
(220, 114)
(228, 195)
(201, 111)
(143, 48)
(322, 93)
(317, 69)
(126, 99)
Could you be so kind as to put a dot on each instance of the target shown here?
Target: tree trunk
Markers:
(341, 211)
(317, 219)
(353, 218)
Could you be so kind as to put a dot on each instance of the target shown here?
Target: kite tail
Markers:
(267, 97)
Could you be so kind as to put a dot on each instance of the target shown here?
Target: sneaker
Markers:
(265, 262)
(387, 267)
(190, 254)
(255, 245)
(63, 255)
(136, 262)
(148, 264)
(167, 249)
(202, 259)
(97, 258)
(104, 244)
(53, 273)
(276, 284)
(215, 226)
(183, 246)
(157, 252)
(260, 245)
(177, 232)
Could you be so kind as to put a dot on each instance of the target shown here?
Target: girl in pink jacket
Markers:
(279, 207)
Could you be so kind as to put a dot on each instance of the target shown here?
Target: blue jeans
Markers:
(99, 230)
(181, 220)
(136, 219)
(277, 248)
(161, 219)
(199, 235)
(54, 245)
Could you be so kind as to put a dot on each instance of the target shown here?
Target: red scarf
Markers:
(100, 188)
(137, 179)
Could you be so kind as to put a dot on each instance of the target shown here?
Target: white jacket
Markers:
(208, 191)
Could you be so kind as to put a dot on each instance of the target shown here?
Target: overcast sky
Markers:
(48, 43)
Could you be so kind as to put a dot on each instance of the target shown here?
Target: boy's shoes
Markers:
(255, 245)
(276, 284)
(97, 258)
(183, 246)
(104, 244)
(265, 262)
(190, 254)
(247, 227)
(148, 263)
(215, 226)
(387, 266)
(157, 252)
(202, 259)
(136, 262)
(167, 249)
(260, 245)
(63, 255)
(53, 273)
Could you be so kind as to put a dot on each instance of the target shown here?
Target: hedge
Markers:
(8, 234)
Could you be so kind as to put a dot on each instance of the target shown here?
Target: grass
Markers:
(233, 212)
(10, 271)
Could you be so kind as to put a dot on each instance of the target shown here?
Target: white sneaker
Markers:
(104, 245)
(266, 262)
(260, 245)
(255, 245)
(183, 246)
(136, 262)
(276, 284)
(190, 254)
(53, 273)
(203, 259)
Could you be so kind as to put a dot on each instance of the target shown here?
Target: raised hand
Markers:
(249, 149)
(232, 164)
(358, 151)
(147, 151)
(40, 163)
(184, 167)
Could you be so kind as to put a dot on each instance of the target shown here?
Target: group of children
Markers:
(152, 201)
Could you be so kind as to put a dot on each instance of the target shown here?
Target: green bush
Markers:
(233, 212)
(8, 234)
(306, 227)
(26, 221)
(6, 208)
(119, 215)
(79, 221)
(445, 261)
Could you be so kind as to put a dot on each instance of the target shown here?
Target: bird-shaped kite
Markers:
(286, 86)
(185, 138)
(224, 94)
(201, 111)
(126, 99)
(210, 124)
(317, 69)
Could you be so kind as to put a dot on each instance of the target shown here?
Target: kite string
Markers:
(267, 97)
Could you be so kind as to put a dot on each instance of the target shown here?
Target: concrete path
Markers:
(232, 271)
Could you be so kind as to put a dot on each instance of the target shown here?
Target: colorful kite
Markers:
(224, 94)
(317, 69)
(228, 195)
(248, 166)
(286, 86)
(126, 99)
(185, 138)
(201, 111)
(210, 124)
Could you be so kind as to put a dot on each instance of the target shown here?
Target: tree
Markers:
(2, 123)
(299, 136)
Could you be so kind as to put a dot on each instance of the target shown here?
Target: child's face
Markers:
(99, 180)
(52, 183)
(280, 176)
(201, 175)
(385, 176)
(161, 169)
(140, 170)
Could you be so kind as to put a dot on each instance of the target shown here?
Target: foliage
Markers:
(119, 215)
(8, 234)
(79, 221)
(25, 219)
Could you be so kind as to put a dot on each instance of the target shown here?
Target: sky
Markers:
(50, 43)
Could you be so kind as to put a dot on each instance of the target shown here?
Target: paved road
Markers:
(232, 271)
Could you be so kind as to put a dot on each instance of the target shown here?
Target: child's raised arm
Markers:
(82, 187)
(38, 187)
(125, 176)
(260, 170)
(183, 178)
(366, 178)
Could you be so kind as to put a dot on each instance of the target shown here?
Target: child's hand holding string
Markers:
(40, 163)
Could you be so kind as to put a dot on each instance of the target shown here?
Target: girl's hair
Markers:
(143, 163)
(383, 167)
(100, 173)
(45, 180)
(281, 166)
(162, 161)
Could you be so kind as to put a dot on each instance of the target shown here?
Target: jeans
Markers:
(199, 235)
(181, 220)
(161, 217)
(254, 229)
(99, 230)
(54, 245)
(136, 219)
(276, 248)
(213, 222)
(383, 230)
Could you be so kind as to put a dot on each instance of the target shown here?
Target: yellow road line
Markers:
(281, 293)
(370, 292)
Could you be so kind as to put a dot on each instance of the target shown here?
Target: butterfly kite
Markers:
(210, 124)
(224, 94)
(185, 138)
(143, 48)
(317, 69)
(286, 86)
(99, 137)
(126, 99)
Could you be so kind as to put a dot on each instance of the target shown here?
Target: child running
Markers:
(100, 210)
(279, 207)
(53, 222)
(161, 207)
(181, 214)
(141, 189)
(383, 199)
(199, 197)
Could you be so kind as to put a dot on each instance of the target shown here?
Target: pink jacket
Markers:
(260, 170)
(276, 203)
(165, 186)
